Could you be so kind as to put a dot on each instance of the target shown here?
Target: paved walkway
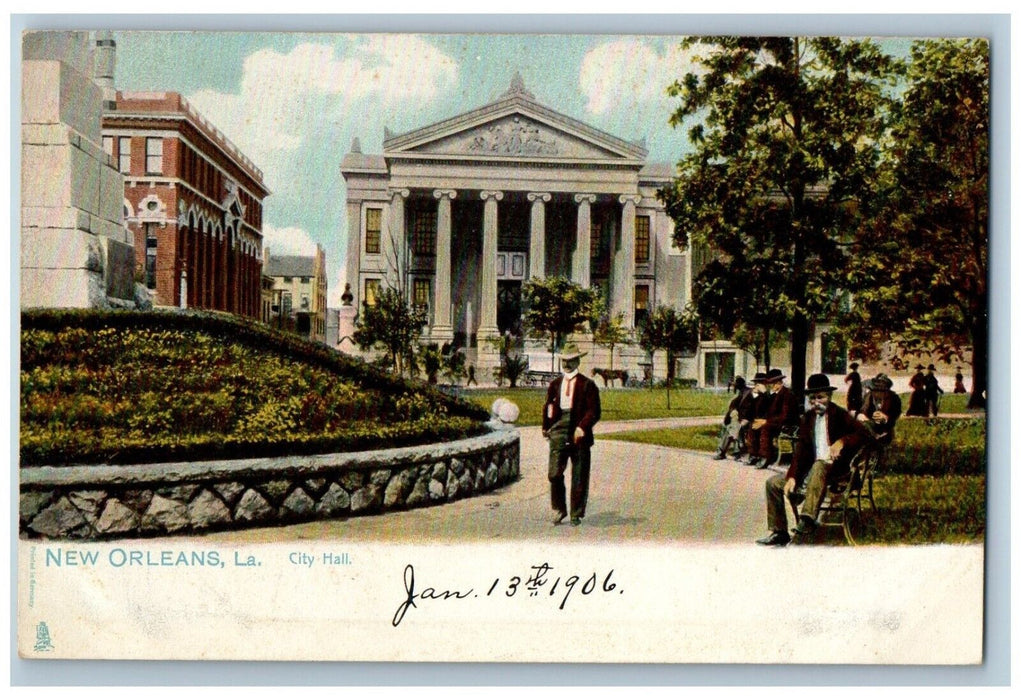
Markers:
(637, 492)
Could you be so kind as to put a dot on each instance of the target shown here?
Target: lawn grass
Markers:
(704, 438)
(617, 404)
(932, 489)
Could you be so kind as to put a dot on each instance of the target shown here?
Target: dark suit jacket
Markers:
(742, 403)
(585, 408)
(890, 405)
(839, 425)
(783, 409)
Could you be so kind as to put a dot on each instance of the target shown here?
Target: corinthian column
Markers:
(394, 239)
(581, 261)
(487, 315)
(624, 262)
(442, 329)
(537, 235)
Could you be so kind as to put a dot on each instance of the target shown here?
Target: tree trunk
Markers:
(767, 358)
(669, 376)
(979, 361)
(799, 346)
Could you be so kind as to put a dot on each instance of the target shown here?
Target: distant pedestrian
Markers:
(932, 392)
(854, 392)
(959, 383)
(471, 377)
(916, 404)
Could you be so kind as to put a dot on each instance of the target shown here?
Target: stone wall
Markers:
(75, 251)
(103, 501)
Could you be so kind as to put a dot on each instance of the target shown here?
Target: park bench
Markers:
(535, 377)
(848, 503)
(784, 443)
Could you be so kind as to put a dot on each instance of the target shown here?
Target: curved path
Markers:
(637, 492)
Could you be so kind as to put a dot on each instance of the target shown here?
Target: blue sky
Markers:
(294, 101)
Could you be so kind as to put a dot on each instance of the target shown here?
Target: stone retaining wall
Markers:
(103, 501)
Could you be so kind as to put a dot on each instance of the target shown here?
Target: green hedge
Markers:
(101, 386)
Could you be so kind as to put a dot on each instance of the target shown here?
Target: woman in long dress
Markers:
(916, 406)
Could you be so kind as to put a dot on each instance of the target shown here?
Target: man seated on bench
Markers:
(783, 412)
(828, 439)
(880, 410)
(739, 416)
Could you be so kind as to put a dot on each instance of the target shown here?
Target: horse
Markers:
(610, 375)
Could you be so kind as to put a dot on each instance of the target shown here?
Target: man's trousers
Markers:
(562, 448)
(815, 492)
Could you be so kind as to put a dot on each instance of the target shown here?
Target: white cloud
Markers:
(617, 75)
(285, 100)
(287, 241)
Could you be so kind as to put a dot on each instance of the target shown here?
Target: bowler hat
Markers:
(919, 366)
(759, 378)
(932, 368)
(775, 375)
(881, 382)
(571, 352)
(854, 365)
(819, 382)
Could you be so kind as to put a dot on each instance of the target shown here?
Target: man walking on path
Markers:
(571, 410)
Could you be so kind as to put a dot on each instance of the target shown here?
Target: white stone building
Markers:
(461, 212)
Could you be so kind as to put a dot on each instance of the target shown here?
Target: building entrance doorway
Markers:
(508, 306)
(719, 369)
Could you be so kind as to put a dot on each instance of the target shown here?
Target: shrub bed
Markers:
(126, 387)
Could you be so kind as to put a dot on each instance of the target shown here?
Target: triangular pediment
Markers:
(515, 126)
(516, 135)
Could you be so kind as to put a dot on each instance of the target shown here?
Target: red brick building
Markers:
(193, 202)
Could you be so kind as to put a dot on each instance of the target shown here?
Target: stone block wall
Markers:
(72, 232)
(104, 502)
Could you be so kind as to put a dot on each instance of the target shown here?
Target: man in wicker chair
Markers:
(828, 439)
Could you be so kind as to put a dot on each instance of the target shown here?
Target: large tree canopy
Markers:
(786, 134)
(924, 261)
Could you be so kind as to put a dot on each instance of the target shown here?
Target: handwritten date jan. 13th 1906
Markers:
(540, 581)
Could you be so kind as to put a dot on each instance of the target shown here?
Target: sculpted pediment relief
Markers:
(515, 136)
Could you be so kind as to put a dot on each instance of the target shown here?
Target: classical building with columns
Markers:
(461, 212)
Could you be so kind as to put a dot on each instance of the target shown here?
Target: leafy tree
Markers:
(555, 307)
(925, 259)
(432, 362)
(393, 326)
(786, 134)
(454, 366)
(668, 329)
(610, 332)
